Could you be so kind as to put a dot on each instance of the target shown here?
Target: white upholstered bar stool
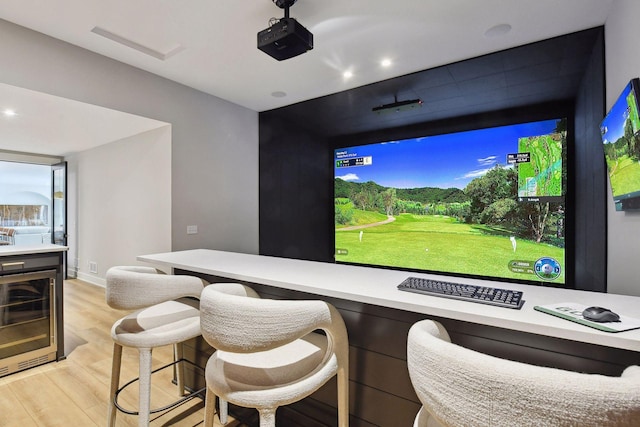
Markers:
(268, 354)
(166, 314)
(462, 387)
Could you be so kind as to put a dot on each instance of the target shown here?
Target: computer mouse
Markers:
(600, 314)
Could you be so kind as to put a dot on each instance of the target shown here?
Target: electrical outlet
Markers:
(192, 229)
(93, 267)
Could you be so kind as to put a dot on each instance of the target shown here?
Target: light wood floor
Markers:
(74, 392)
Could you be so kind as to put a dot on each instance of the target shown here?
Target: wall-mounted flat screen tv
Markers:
(487, 203)
(620, 135)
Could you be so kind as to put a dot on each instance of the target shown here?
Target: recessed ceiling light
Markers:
(347, 74)
(498, 30)
(278, 94)
(385, 62)
(9, 113)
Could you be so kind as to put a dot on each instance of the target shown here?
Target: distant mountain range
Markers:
(423, 195)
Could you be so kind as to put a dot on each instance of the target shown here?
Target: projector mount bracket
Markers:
(398, 106)
(285, 4)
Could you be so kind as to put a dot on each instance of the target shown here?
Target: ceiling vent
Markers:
(137, 46)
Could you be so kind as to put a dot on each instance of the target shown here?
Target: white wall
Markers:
(214, 155)
(122, 194)
(622, 33)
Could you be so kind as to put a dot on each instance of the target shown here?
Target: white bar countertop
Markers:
(7, 250)
(379, 287)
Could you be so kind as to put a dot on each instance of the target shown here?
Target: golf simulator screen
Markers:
(487, 203)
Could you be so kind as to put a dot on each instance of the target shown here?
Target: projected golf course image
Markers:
(469, 216)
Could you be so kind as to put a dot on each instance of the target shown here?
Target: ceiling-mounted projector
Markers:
(286, 37)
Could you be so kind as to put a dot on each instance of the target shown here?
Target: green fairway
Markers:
(440, 243)
(624, 175)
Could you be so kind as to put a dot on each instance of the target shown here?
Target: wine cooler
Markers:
(27, 320)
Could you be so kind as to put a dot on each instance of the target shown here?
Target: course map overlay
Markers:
(542, 175)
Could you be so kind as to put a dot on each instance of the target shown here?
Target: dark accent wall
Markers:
(591, 177)
(561, 74)
(295, 191)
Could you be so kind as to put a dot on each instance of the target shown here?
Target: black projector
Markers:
(285, 39)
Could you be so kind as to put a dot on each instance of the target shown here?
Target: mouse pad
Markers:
(573, 311)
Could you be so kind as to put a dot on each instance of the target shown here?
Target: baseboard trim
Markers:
(98, 281)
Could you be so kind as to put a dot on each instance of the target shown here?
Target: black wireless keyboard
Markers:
(494, 296)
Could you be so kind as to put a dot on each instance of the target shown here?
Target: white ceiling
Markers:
(214, 42)
(47, 124)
